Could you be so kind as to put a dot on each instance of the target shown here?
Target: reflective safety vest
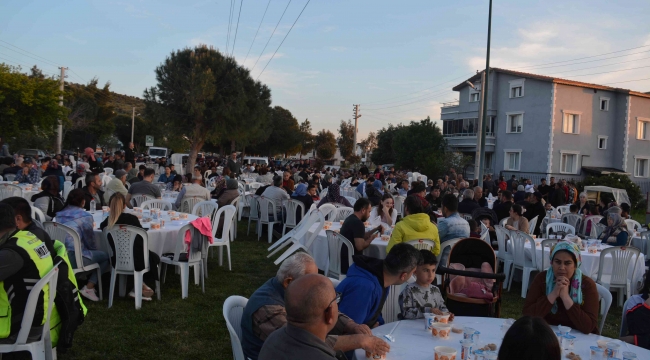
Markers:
(14, 290)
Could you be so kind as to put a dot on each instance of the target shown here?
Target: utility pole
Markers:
(484, 101)
(132, 123)
(59, 130)
(356, 127)
(479, 138)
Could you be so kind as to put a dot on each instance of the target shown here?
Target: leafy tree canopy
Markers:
(325, 144)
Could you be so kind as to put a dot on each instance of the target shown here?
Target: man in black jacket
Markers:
(92, 191)
(503, 208)
(129, 154)
(535, 208)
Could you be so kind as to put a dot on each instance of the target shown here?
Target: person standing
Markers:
(129, 154)
(233, 165)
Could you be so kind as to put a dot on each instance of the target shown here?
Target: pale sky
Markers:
(398, 59)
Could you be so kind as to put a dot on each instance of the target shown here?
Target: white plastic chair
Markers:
(42, 348)
(253, 212)
(38, 214)
(124, 238)
(632, 225)
(336, 242)
(423, 244)
(561, 228)
(244, 203)
(564, 209)
(399, 205)
(351, 199)
(205, 208)
(187, 204)
(504, 221)
(138, 199)
(341, 213)
(233, 229)
(485, 233)
(335, 282)
(108, 171)
(285, 239)
(294, 239)
(596, 230)
(10, 190)
(606, 302)
(326, 209)
(228, 213)
(183, 260)
(67, 187)
(156, 204)
(391, 308)
(619, 280)
(267, 211)
(255, 185)
(59, 232)
(548, 243)
(521, 261)
(531, 224)
(291, 208)
(574, 220)
(503, 255)
(10, 177)
(233, 308)
(591, 219)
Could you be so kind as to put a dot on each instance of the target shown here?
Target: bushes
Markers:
(619, 181)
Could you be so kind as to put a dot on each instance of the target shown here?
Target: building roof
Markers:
(555, 80)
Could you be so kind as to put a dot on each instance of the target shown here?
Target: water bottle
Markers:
(93, 206)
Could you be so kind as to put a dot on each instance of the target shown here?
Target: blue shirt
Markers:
(165, 179)
(452, 227)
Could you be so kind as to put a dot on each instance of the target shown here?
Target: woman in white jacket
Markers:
(385, 210)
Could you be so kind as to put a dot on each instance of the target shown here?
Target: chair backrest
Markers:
(233, 308)
(632, 225)
(228, 212)
(180, 247)
(335, 282)
(267, 209)
(591, 219)
(423, 244)
(564, 209)
(205, 208)
(548, 243)
(10, 177)
(502, 242)
(466, 216)
(235, 202)
(574, 220)
(38, 214)
(80, 183)
(241, 187)
(255, 185)
(606, 297)
(335, 243)
(62, 232)
(621, 257)
(519, 240)
(187, 204)
(560, 228)
(49, 280)
(504, 221)
(399, 205)
(124, 238)
(108, 171)
(485, 233)
(447, 244)
(254, 203)
(138, 199)
(351, 199)
(532, 223)
(596, 230)
(292, 207)
(10, 190)
(156, 204)
(341, 213)
(326, 209)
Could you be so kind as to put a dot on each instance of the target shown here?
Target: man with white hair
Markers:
(265, 312)
(468, 205)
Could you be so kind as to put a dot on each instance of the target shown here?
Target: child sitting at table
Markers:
(421, 296)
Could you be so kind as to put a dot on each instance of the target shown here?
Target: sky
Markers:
(397, 59)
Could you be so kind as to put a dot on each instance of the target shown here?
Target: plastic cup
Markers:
(441, 330)
(568, 341)
(602, 343)
(429, 319)
(466, 349)
(442, 318)
(444, 353)
(628, 355)
(477, 335)
(613, 349)
(468, 333)
(596, 353)
(564, 329)
(478, 354)
(490, 355)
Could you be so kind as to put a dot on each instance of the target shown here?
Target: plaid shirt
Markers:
(32, 177)
(269, 318)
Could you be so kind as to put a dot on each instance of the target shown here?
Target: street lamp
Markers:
(484, 93)
(133, 122)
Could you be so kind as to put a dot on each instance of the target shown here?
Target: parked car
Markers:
(32, 152)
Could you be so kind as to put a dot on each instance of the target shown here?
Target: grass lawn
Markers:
(194, 327)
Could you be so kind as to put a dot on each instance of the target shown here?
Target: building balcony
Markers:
(451, 104)
(466, 141)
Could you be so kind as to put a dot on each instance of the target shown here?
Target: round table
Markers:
(161, 241)
(414, 343)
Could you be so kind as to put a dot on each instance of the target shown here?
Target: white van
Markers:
(157, 152)
(256, 160)
(178, 160)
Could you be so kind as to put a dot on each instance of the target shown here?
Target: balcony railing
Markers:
(451, 103)
(467, 134)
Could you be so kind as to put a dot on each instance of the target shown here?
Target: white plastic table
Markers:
(412, 342)
(161, 241)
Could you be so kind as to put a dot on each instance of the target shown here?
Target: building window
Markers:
(517, 88)
(569, 162)
(602, 142)
(490, 126)
(604, 104)
(512, 160)
(571, 122)
(643, 129)
(515, 123)
(641, 168)
(474, 97)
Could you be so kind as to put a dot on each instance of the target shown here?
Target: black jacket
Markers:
(90, 198)
(533, 210)
(467, 206)
(503, 210)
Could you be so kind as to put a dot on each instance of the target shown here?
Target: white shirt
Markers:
(373, 214)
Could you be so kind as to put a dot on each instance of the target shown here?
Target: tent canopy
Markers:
(620, 195)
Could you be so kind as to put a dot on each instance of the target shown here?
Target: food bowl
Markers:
(174, 218)
(155, 226)
(385, 237)
(183, 216)
(443, 318)
(444, 353)
(372, 356)
(341, 222)
(137, 209)
(440, 330)
(171, 213)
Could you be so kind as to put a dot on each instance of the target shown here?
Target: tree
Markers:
(307, 139)
(384, 153)
(369, 144)
(206, 96)
(28, 105)
(325, 144)
(345, 141)
(420, 146)
(284, 133)
(90, 115)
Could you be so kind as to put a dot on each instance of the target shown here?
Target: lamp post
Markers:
(484, 97)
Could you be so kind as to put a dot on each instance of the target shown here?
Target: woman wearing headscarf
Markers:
(95, 165)
(327, 181)
(562, 295)
(301, 195)
(374, 192)
(616, 233)
(49, 200)
(229, 194)
(334, 196)
(132, 176)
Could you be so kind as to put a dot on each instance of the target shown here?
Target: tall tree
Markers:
(284, 133)
(369, 144)
(384, 153)
(345, 140)
(206, 96)
(325, 144)
(307, 138)
(429, 154)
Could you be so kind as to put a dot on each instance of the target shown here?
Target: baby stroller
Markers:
(470, 281)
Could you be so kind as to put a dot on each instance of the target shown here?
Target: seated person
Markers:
(145, 187)
(421, 296)
(635, 328)
(530, 338)
(192, 190)
(167, 176)
(313, 192)
(452, 226)
(415, 225)
(385, 210)
(305, 335)
(24, 220)
(516, 220)
(354, 230)
(49, 201)
(468, 205)
(366, 286)
(29, 174)
(474, 229)
(300, 194)
(562, 295)
(374, 192)
(116, 185)
(616, 232)
(334, 196)
(265, 313)
(573, 209)
(93, 191)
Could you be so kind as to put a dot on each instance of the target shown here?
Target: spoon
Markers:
(389, 336)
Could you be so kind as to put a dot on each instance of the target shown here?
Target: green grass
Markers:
(194, 327)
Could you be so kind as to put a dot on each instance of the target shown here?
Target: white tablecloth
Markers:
(320, 250)
(161, 241)
(414, 343)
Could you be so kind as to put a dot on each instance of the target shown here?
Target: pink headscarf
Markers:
(90, 153)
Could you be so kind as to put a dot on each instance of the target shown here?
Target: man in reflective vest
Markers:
(24, 260)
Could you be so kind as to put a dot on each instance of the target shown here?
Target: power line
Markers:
(429, 88)
(23, 50)
(620, 82)
(229, 21)
(29, 56)
(608, 72)
(241, 2)
(584, 62)
(258, 30)
(285, 38)
(267, 43)
(586, 57)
